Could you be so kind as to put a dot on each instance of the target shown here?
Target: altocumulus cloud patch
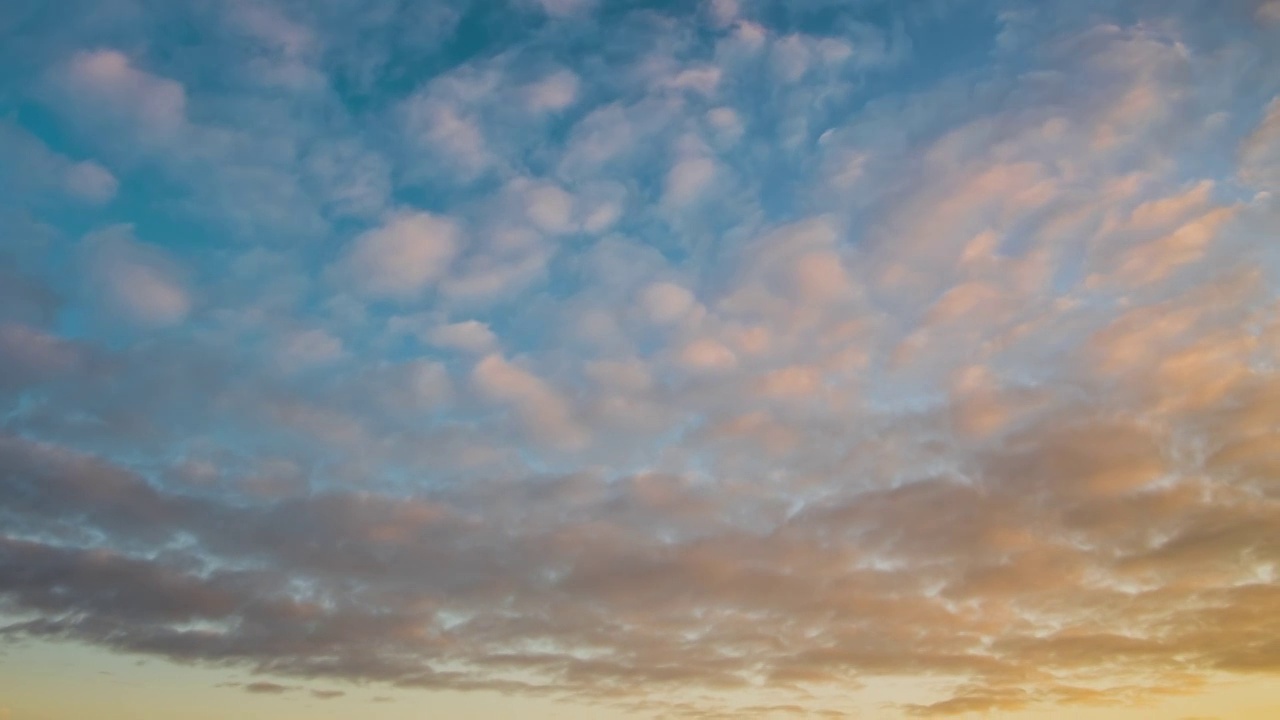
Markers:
(732, 359)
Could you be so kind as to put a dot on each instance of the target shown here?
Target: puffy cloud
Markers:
(110, 78)
(504, 263)
(665, 303)
(306, 348)
(727, 124)
(549, 208)
(722, 12)
(702, 80)
(553, 93)
(352, 180)
(452, 134)
(287, 49)
(429, 383)
(687, 179)
(34, 167)
(402, 257)
(91, 181)
(542, 411)
(472, 336)
(137, 282)
(729, 371)
(708, 354)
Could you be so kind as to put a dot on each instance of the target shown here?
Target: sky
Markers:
(618, 359)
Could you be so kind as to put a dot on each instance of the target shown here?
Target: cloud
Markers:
(665, 303)
(29, 355)
(687, 179)
(542, 411)
(446, 120)
(351, 180)
(266, 688)
(91, 181)
(470, 335)
(26, 299)
(110, 78)
(565, 8)
(1260, 152)
(327, 694)
(34, 167)
(707, 354)
(305, 348)
(550, 208)
(716, 363)
(553, 93)
(504, 263)
(723, 12)
(287, 49)
(403, 257)
(137, 282)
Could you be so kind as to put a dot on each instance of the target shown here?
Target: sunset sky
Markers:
(578, 359)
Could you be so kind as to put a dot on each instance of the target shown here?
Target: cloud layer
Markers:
(705, 361)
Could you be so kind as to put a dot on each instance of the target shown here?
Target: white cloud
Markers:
(701, 80)
(31, 166)
(543, 413)
(708, 355)
(603, 204)
(993, 344)
(471, 336)
(506, 262)
(791, 273)
(566, 8)
(749, 36)
(727, 124)
(602, 217)
(553, 93)
(1260, 152)
(550, 208)
(666, 303)
(308, 348)
(429, 383)
(687, 180)
(110, 79)
(722, 12)
(403, 257)
(795, 381)
(791, 57)
(451, 133)
(287, 51)
(136, 282)
(91, 182)
(350, 179)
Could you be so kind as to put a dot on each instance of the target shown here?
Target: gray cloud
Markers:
(266, 688)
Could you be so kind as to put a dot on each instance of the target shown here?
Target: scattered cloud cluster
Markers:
(696, 361)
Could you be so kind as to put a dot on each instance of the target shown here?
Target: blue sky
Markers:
(707, 359)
